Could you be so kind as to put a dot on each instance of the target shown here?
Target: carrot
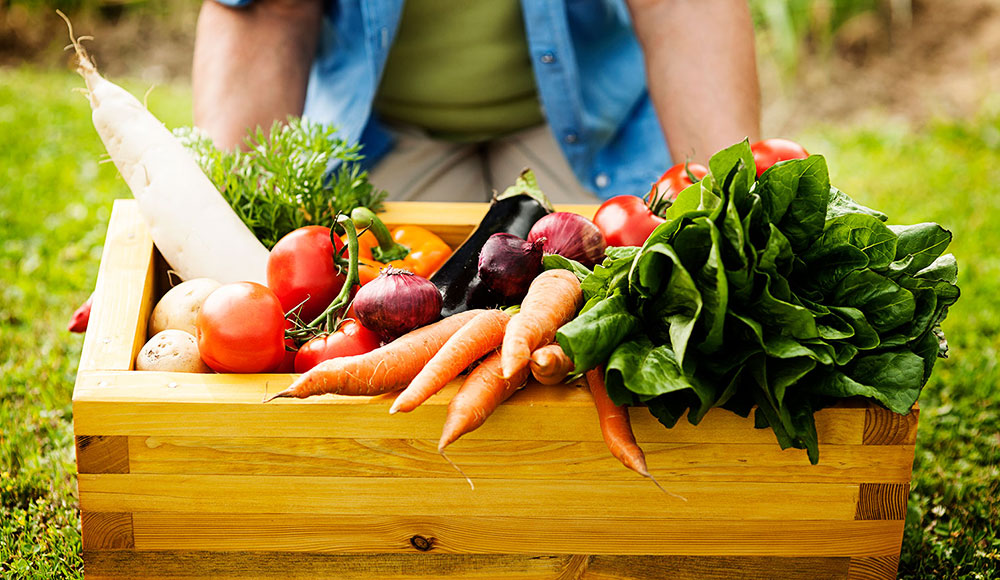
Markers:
(481, 393)
(552, 300)
(550, 365)
(473, 341)
(616, 428)
(382, 370)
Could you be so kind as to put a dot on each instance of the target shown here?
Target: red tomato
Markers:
(350, 339)
(676, 179)
(301, 268)
(770, 151)
(241, 329)
(626, 220)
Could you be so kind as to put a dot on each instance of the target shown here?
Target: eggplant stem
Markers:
(387, 249)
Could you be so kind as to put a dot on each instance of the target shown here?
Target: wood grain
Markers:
(102, 454)
(580, 460)
(293, 566)
(153, 403)
(882, 501)
(107, 531)
(883, 427)
(873, 567)
(597, 534)
(440, 496)
(123, 297)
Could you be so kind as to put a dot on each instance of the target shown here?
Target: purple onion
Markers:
(571, 236)
(508, 264)
(396, 302)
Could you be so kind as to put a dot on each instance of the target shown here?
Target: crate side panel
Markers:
(439, 496)
(874, 567)
(107, 531)
(582, 460)
(883, 427)
(123, 295)
(102, 454)
(152, 403)
(307, 532)
(180, 565)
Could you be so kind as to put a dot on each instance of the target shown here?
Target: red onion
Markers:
(571, 236)
(508, 264)
(396, 302)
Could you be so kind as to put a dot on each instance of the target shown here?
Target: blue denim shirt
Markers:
(588, 68)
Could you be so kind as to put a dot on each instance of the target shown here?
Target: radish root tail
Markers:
(457, 468)
(85, 64)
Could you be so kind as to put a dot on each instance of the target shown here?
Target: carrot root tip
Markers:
(670, 493)
(459, 469)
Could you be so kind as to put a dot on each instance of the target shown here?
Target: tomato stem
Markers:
(387, 249)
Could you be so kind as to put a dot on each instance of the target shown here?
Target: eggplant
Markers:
(512, 212)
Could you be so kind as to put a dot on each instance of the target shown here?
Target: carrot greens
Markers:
(296, 174)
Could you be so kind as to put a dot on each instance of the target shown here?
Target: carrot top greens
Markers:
(298, 173)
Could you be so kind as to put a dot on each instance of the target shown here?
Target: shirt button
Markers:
(548, 58)
(571, 138)
(602, 180)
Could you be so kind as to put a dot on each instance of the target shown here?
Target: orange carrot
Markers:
(552, 300)
(481, 393)
(615, 425)
(616, 428)
(382, 370)
(473, 341)
(550, 365)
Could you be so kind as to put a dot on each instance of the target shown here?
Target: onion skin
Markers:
(508, 264)
(571, 236)
(396, 302)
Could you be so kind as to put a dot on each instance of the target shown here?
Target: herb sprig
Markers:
(280, 181)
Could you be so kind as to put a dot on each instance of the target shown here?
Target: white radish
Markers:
(192, 225)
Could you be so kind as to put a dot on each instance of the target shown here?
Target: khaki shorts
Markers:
(423, 169)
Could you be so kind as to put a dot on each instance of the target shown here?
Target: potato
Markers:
(178, 309)
(171, 351)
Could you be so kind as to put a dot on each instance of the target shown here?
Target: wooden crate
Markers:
(191, 476)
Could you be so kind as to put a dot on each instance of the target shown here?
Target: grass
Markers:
(55, 199)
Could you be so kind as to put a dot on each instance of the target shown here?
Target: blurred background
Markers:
(900, 95)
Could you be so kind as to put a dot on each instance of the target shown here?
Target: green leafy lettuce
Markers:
(775, 295)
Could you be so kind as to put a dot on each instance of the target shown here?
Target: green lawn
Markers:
(55, 199)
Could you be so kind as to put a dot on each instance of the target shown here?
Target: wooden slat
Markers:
(873, 567)
(882, 501)
(123, 297)
(180, 565)
(579, 460)
(883, 427)
(107, 531)
(148, 403)
(452, 221)
(307, 532)
(102, 454)
(440, 496)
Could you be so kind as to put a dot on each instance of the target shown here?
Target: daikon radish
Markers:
(191, 224)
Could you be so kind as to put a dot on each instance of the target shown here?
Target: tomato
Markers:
(626, 220)
(770, 151)
(241, 329)
(301, 268)
(350, 339)
(677, 179)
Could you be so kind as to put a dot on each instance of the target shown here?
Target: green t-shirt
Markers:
(460, 71)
